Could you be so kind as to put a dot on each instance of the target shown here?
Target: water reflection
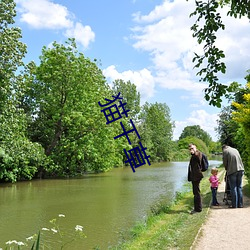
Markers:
(105, 204)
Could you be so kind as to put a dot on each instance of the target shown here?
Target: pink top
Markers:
(214, 181)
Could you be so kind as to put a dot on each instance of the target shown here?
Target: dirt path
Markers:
(225, 228)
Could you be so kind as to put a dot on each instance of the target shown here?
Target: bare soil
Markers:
(225, 228)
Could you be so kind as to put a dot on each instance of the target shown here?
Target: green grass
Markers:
(169, 226)
(246, 187)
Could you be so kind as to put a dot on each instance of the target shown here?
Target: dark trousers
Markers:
(214, 196)
(197, 196)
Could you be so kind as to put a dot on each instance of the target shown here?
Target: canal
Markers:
(105, 204)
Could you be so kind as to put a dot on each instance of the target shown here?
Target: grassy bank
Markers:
(170, 227)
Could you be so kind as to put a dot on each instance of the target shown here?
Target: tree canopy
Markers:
(233, 123)
(157, 130)
(201, 146)
(196, 131)
(66, 119)
(19, 158)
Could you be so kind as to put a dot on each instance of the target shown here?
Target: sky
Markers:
(147, 42)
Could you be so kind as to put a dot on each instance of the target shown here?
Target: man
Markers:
(195, 175)
(235, 169)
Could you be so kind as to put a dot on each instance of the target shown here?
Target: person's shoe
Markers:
(241, 206)
(194, 212)
(217, 204)
(231, 206)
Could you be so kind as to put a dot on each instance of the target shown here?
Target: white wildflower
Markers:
(45, 229)
(10, 242)
(54, 230)
(61, 215)
(20, 243)
(78, 228)
(29, 238)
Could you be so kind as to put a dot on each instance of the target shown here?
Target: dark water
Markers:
(104, 204)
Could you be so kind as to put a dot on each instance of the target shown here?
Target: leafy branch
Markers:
(210, 63)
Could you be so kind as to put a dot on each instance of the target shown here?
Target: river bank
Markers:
(171, 227)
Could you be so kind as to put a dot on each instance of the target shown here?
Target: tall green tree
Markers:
(64, 91)
(130, 96)
(156, 130)
(12, 51)
(19, 158)
(205, 29)
(241, 115)
(184, 142)
(229, 130)
(196, 131)
(227, 127)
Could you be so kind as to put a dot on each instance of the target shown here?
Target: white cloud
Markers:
(44, 14)
(165, 33)
(235, 41)
(143, 80)
(83, 34)
(208, 122)
(159, 12)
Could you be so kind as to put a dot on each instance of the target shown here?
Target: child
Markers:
(214, 185)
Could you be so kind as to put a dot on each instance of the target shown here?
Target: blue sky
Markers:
(148, 42)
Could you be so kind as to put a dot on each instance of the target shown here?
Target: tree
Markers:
(233, 123)
(156, 130)
(130, 96)
(19, 158)
(208, 23)
(64, 91)
(12, 50)
(241, 116)
(229, 130)
(184, 142)
(196, 131)
(227, 127)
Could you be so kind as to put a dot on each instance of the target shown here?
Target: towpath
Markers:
(225, 228)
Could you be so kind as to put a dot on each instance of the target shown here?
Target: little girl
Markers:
(214, 185)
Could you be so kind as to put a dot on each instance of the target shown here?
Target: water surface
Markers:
(104, 204)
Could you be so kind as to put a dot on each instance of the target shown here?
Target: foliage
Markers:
(156, 130)
(64, 91)
(130, 96)
(227, 127)
(196, 131)
(201, 146)
(20, 158)
(215, 148)
(241, 115)
(231, 124)
(181, 155)
(12, 50)
(205, 28)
